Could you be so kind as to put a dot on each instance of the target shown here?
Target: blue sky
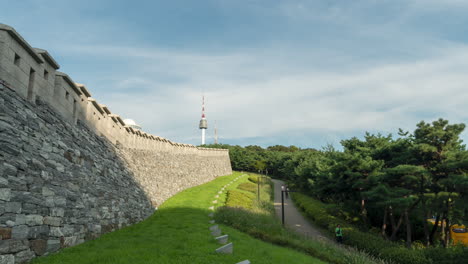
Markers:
(306, 73)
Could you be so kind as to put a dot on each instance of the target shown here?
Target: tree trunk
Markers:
(442, 225)
(400, 221)
(434, 229)
(396, 228)
(425, 226)
(384, 225)
(446, 233)
(408, 230)
(364, 212)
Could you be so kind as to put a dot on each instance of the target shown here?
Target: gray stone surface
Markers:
(222, 239)
(65, 179)
(216, 233)
(20, 232)
(53, 245)
(244, 262)
(24, 256)
(213, 228)
(7, 259)
(226, 249)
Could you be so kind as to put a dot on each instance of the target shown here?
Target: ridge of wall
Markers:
(70, 170)
(33, 74)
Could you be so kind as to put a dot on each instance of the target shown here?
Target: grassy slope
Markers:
(177, 233)
(261, 222)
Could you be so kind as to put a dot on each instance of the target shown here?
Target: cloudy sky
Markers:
(292, 72)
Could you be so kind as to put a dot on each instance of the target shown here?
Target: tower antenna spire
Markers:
(203, 123)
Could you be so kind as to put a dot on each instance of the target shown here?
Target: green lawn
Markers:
(178, 233)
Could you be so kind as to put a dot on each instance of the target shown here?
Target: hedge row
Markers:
(368, 242)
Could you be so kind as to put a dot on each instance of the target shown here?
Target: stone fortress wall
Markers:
(70, 169)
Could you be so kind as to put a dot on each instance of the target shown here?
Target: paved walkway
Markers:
(292, 217)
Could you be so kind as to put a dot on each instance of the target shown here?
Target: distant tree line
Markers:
(391, 183)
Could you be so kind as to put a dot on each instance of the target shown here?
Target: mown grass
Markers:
(177, 233)
(260, 222)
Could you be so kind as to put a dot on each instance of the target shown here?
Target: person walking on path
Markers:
(339, 234)
(287, 191)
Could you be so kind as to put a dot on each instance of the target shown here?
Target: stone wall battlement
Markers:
(70, 170)
(33, 74)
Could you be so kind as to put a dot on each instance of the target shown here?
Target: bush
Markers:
(236, 198)
(458, 254)
(248, 186)
(405, 256)
(253, 178)
(368, 242)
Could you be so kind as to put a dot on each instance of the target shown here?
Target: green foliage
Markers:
(236, 198)
(458, 254)
(247, 186)
(379, 177)
(260, 222)
(176, 233)
(373, 243)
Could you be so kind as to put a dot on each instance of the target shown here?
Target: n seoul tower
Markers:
(203, 123)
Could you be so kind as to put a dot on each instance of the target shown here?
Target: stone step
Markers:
(226, 249)
(222, 239)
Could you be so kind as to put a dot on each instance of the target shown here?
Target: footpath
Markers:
(292, 217)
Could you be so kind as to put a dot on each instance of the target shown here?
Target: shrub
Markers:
(405, 256)
(369, 242)
(236, 198)
(458, 254)
(253, 178)
(247, 186)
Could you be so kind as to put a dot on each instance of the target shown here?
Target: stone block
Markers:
(217, 196)
(226, 249)
(3, 182)
(39, 246)
(20, 232)
(33, 220)
(60, 201)
(58, 212)
(216, 233)
(53, 245)
(70, 241)
(222, 239)
(211, 208)
(13, 207)
(5, 194)
(55, 232)
(5, 233)
(220, 192)
(41, 231)
(13, 245)
(7, 259)
(52, 221)
(20, 219)
(244, 262)
(24, 256)
(215, 201)
(47, 192)
(212, 221)
(215, 227)
(210, 214)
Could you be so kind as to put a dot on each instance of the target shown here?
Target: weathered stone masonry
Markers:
(70, 170)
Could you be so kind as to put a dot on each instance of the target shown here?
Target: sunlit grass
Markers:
(177, 233)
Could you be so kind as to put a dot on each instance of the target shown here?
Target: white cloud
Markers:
(252, 96)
